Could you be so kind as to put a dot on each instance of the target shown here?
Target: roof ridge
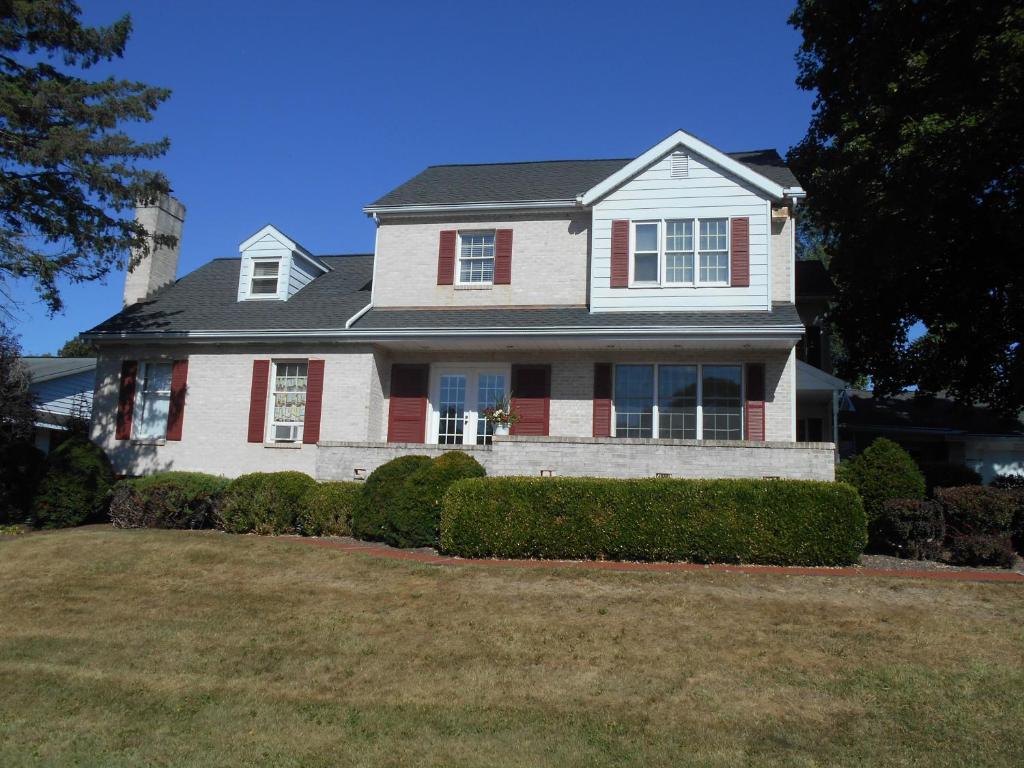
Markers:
(537, 162)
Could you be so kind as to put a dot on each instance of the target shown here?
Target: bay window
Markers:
(153, 401)
(288, 401)
(476, 257)
(674, 252)
(679, 402)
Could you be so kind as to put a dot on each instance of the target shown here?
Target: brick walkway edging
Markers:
(389, 553)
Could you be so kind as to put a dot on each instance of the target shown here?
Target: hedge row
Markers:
(781, 522)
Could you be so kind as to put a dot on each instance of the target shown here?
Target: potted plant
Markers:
(501, 416)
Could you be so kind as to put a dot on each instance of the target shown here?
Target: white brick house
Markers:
(641, 313)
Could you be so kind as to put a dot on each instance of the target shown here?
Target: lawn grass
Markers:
(131, 648)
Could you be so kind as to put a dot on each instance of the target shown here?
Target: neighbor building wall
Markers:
(549, 262)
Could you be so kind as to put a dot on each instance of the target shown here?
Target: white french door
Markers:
(459, 395)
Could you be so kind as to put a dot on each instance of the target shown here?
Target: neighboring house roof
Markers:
(812, 379)
(543, 181)
(42, 369)
(207, 299)
(912, 411)
(812, 280)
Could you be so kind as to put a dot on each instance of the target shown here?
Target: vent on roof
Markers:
(680, 165)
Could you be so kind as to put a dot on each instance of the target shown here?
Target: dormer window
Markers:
(476, 257)
(264, 278)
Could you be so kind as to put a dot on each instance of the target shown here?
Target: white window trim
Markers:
(140, 379)
(252, 276)
(662, 281)
(655, 426)
(269, 434)
(458, 259)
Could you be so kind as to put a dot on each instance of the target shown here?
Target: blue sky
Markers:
(300, 113)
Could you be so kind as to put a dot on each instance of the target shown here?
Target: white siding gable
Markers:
(66, 395)
(664, 191)
(297, 268)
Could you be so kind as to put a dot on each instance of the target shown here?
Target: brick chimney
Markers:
(160, 267)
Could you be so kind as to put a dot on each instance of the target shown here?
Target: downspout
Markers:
(373, 277)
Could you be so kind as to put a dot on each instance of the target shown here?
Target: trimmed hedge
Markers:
(911, 528)
(884, 471)
(187, 500)
(981, 549)
(977, 510)
(75, 485)
(265, 502)
(327, 509)
(1008, 482)
(369, 518)
(781, 522)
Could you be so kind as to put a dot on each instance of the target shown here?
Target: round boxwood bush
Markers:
(327, 509)
(74, 489)
(187, 500)
(378, 494)
(21, 466)
(911, 528)
(265, 502)
(882, 472)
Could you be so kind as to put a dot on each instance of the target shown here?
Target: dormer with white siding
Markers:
(275, 267)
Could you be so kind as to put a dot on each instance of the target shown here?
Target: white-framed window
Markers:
(287, 401)
(678, 401)
(265, 274)
(152, 401)
(674, 252)
(476, 258)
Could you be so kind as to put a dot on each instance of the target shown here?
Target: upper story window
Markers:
(264, 277)
(476, 257)
(288, 401)
(666, 252)
(153, 401)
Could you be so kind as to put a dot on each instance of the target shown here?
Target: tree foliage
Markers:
(16, 399)
(77, 347)
(914, 167)
(68, 170)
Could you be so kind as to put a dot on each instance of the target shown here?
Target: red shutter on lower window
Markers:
(620, 254)
(753, 408)
(446, 257)
(126, 399)
(258, 400)
(739, 252)
(602, 400)
(531, 399)
(314, 402)
(407, 404)
(502, 257)
(176, 409)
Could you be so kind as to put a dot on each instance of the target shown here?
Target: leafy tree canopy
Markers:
(16, 401)
(77, 347)
(68, 171)
(914, 167)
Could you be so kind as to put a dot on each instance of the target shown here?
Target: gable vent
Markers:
(680, 165)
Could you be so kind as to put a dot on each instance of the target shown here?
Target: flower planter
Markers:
(501, 429)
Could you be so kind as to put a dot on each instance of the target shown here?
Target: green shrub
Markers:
(265, 502)
(882, 472)
(168, 500)
(21, 467)
(976, 510)
(947, 475)
(414, 517)
(1008, 482)
(785, 522)
(327, 509)
(378, 494)
(74, 489)
(1016, 496)
(911, 528)
(981, 549)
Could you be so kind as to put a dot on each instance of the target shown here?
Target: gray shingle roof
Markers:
(206, 299)
(539, 181)
(42, 369)
(514, 318)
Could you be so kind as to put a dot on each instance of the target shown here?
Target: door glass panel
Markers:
(723, 408)
(677, 402)
(490, 389)
(451, 409)
(634, 400)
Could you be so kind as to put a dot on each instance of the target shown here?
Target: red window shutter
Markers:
(176, 410)
(602, 400)
(407, 411)
(258, 400)
(739, 252)
(503, 257)
(126, 399)
(620, 254)
(753, 408)
(531, 399)
(446, 258)
(314, 402)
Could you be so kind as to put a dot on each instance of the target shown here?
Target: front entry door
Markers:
(459, 397)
